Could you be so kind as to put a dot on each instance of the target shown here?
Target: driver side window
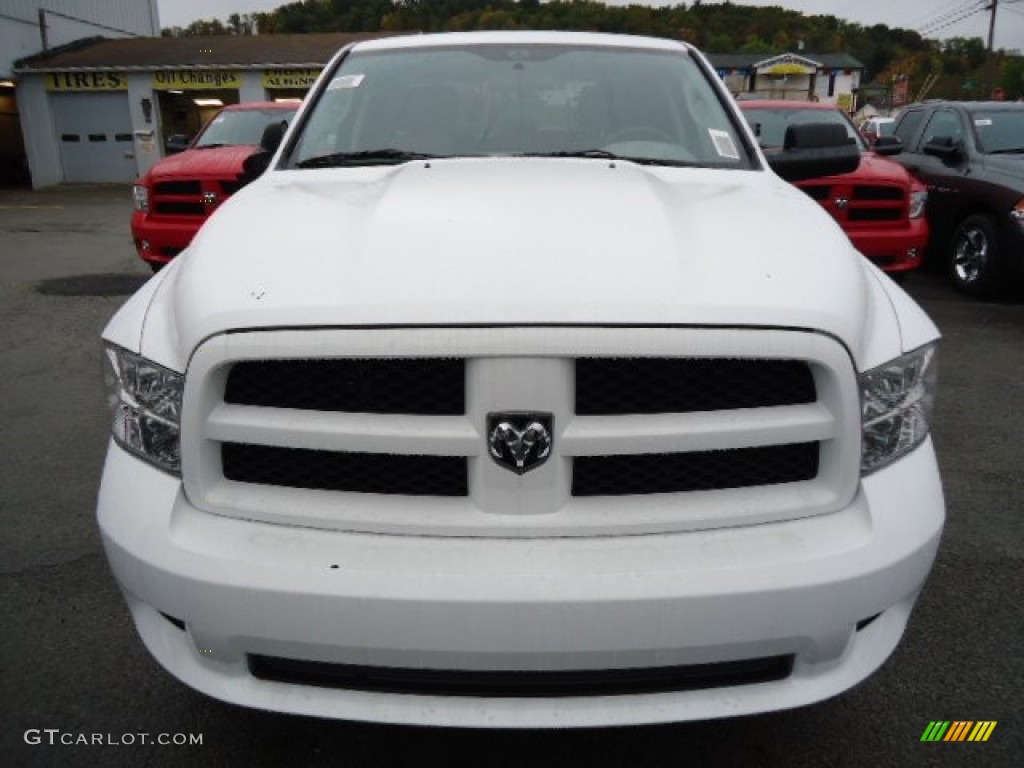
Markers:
(944, 126)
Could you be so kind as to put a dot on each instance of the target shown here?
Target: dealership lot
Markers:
(71, 660)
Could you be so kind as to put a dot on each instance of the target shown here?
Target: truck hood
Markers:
(873, 169)
(879, 168)
(518, 241)
(216, 162)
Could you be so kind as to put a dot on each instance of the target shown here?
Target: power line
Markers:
(918, 19)
(946, 17)
(952, 22)
(950, 16)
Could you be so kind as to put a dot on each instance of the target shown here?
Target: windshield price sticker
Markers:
(724, 144)
(982, 122)
(346, 81)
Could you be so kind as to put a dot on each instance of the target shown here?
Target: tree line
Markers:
(960, 67)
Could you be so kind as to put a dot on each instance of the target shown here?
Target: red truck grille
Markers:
(185, 197)
(853, 204)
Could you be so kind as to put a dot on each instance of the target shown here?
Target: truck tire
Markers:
(976, 260)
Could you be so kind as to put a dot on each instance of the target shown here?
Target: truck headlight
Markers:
(145, 400)
(140, 195)
(896, 403)
(918, 200)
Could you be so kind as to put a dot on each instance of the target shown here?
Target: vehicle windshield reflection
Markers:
(523, 100)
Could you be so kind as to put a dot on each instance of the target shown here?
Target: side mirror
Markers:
(254, 166)
(946, 148)
(813, 150)
(272, 135)
(177, 142)
(888, 145)
(257, 163)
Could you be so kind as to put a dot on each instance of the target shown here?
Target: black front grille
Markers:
(178, 208)
(521, 684)
(608, 386)
(874, 214)
(430, 386)
(338, 471)
(177, 188)
(877, 193)
(230, 186)
(697, 471)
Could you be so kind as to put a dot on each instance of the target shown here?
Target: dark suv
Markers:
(971, 156)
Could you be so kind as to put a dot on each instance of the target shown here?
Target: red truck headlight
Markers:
(140, 196)
(918, 200)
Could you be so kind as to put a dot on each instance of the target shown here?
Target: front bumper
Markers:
(894, 250)
(795, 588)
(157, 242)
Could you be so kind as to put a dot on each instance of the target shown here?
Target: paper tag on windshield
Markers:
(724, 144)
(982, 121)
(345, 81)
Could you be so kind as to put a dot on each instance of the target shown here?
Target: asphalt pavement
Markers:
(72, 666)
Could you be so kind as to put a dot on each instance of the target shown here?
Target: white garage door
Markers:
(95, 135)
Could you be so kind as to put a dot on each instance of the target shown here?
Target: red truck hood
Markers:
(873, 169)
(217, 162)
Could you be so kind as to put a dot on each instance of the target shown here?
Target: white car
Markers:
(520, 392)
(875, 128)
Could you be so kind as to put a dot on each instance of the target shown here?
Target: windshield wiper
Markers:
(366, 157)
(210, 146)
(1010, 151)
(603, 154)
(600, 154)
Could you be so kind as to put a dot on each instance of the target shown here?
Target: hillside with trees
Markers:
(958, 68)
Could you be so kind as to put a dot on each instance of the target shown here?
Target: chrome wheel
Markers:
(970, 254)
(976, 257)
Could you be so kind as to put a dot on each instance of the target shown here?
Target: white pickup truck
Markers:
(520, 391)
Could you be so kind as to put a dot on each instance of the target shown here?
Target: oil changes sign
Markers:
(196, 80)
(86, 81)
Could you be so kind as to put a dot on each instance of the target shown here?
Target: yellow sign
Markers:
(86, 81)
(290, 78)
(845, 101)
(196, 80)
(789, 68)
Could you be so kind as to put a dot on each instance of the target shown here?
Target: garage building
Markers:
(30, 26)
(101, 110)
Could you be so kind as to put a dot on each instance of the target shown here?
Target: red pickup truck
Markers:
(880, 206)
(178, 194)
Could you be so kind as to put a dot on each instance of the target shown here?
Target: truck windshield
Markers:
(390, 106)
(233, 127)
(770, 124)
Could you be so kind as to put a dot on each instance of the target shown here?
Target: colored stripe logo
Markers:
(958, 730)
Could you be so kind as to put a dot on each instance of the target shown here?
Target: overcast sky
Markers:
(933, 18)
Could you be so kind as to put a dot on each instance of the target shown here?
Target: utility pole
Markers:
(42, 29)
(992, 23)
